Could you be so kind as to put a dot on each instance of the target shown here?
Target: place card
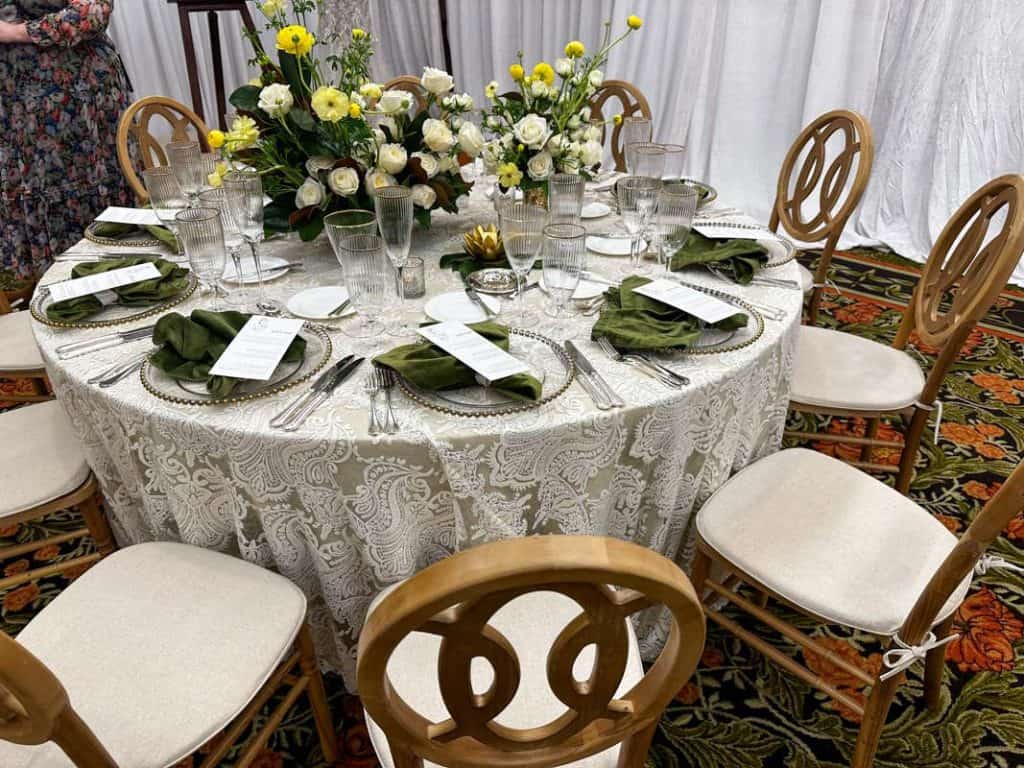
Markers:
(697, 303)
(725, 231)
(140, 217)
(258, 348)
(103, 281)
(473, 350)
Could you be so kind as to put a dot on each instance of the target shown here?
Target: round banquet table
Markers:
(343, 514)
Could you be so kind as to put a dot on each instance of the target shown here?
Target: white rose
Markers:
(456, 123)
(448, 102)
(343, 181)
(596, 78)
(437, 135)
(493, 122)
(392, 158)
(379, 137)
(532, 130)
(311, 192)
(470, 139)
(563, 67)
(394, 101)
(423, 196)
(376, 179)
(436, 81)
(276, 99)
(428, 163)
(593, 133)
(446, 163)
(554, 146)
(319, 163)
(391, 125)
(539, 166)
(591, 153)
(465, 101)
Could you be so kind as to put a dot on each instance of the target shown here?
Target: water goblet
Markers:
(675, 154)
(244, 191)
(673, 220)
(638, 198)
(522, 231)
(564, 247)
(186, 159)
(649, 160)
(364, 265)
(394, 208)
(233, 240)
(203, 240)
(635, 129)
(565, 197)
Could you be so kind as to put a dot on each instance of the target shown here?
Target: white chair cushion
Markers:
(829, 539)
(806, 278)
(18, 352)
(40, 457)
(531, 623)
(160, 646)
(840, 370)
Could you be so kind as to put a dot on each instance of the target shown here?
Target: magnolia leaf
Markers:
(422, 216)
(246, 98)
(312, 228)
(290, 70)
(302, 120)
(415, 168)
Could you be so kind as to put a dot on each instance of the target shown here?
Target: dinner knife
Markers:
(588, 370)
(322, 381)
(76, 348)
(475, 298)
(333, 383)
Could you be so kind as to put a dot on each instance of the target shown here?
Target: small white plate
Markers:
(594, 210)
(317, 303)
(586, 290)
(457, 306)
(273, 268)
(606, 182)
(611, 246)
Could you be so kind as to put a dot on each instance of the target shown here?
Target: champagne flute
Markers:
(394, 208)
(244, 191)
(364, 265)
(677, 204)
(638, 198)
(203, 239)
(185, 158)
(564, 246)
(233, 241)
(522, 230)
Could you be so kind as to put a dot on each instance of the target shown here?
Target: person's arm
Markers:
(13, 33)
(79, 20)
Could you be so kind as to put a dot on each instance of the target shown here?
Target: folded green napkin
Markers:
(630, 320)
(115, 230)
(189, 346)
(172, 281)
(740, 257)
(431, 368)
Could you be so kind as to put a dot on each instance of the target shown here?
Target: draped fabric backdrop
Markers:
(735, 80)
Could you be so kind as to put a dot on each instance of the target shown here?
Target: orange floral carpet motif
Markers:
(740, 711)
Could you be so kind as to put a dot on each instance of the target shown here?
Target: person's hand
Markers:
(13, 33)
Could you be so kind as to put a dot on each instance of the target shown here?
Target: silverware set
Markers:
(775, 282)
(116, 373)
(593, 383)
(645, 364)
(77, 348)
(381, 379)
(296, 413)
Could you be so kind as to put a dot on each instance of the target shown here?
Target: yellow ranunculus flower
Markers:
(243, 134)
(371, 90)
(517, 72)
(214, 180)
(544, 71)
(295, 39)
(634, 22)
(509, 175)
(574, 49)
(354, 110)
(215, 139)
(618, 119)
(358, 33)
(330, 104)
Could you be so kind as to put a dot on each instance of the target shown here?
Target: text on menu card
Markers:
(473, 350)
(257, 349)
(699, 304)
(140, 217)
(103, 281)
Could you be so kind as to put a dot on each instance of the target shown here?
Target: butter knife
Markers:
(475, 298)
(302, 400)
(321, 397)
(76, 348)
(594, 377)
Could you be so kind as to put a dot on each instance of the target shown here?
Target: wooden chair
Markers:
(509, 603)
(799, 185)
(19, 354)
(839, 546)
(135, 126)
(411, 84)
(43, 470)
(631, 101)
(152, 652)
(844, 375)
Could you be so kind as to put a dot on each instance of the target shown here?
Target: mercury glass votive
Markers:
(414, 279)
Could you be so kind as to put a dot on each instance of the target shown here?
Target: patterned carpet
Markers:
(741, 712)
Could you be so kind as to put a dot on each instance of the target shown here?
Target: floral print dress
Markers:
(60, 99)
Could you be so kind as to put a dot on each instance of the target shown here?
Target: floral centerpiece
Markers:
(324, 136)
(545, 126)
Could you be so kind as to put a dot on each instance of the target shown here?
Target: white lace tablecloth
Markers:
(343, 514)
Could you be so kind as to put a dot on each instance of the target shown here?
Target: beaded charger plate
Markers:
(546, 360)
(286, 376)
(708, 194)
(111, 314)
(136, 240)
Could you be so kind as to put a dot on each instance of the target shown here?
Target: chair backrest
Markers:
(456, 598)
(34, 709)
(965, 272)
(135, 126)
(632, 102)
(411, 84)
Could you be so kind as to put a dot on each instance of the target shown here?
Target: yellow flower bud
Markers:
(544, 71)
(617, 119)
(354, 110)
(517, 72)
(574, 49)
(358, 34)
(215, 139)
(634, 22)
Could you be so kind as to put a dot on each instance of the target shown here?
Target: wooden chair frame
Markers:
(960, 562)
(455, 599)
(41, 389)
(35, 709)
(633, 102)
(134, 123)
(827, 224)
(978, 274)
(410, 84)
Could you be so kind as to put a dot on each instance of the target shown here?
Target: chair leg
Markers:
(814, 306)
(402, 757)
(317, 696)
(700, 571)
(911, 445)
(871, 432)
(633, 751)
(96, 522)
(879, 701)
(935, 666)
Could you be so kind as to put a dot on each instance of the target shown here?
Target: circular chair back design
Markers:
(410, 84)
(632, 101)
(455, 599)
(134, 126)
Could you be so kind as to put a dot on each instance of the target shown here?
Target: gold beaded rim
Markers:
(135, 241)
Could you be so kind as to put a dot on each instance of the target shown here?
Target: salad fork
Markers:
(386, 382)
(371, 388)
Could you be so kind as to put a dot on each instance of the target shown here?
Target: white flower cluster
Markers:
(576, 148)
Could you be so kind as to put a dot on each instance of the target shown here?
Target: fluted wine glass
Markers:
(648, 160)
(394, 208)
(364, 265)
(673, 219)
(165, 194)
(233, 240)
(638, 199)
(565, 198)
(185, 158)
(244, 191)
(675, 157)
(564, 247)
(522, 231)
(202, 237)
(635, 129)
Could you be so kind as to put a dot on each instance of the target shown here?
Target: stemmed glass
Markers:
(364, 265)
(354, 221)
(165, 194)
(564, 247)
(638, 198)
(635, 129)
(565, 197)
(233, 241)
(203, 239)
(677, 204)
(394, 217)
(522, 230)
(648, 160)
(186, 160)
(244, 191)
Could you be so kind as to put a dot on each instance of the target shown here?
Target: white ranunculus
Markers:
(591, 153)
(554, 146)
(464, 101)
(436, 81)
(593, 133)
(493, 122)
(428, 163)
(394, 101)
(596, 78)
(423, 196)
(343, 181)
(437, 135)
(574, 122)
(507, 140)
(379, 137)
(311, 192)
(276, 100)
(563, 67)
(470, 139)
(392, 158)
(539, 166)
(376, 179)
(448, 102)
(532, 130)
(539, 88)
(492, 155)
(318, 163)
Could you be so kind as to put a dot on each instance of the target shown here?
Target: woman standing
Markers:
(62, 89)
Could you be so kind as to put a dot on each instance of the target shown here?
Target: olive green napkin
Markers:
(630, 320)
(740, 257)
(172, 281)
(431, 368)
(189, 346)
(115, 230)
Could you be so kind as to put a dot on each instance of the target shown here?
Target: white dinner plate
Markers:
(317, 303)
(586, 290)
(273, 268)
(611, 246)
(457, 306)
(594, 210)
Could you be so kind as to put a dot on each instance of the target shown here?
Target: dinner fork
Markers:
(386, 382)
(666, 376)
(371, 388)
(775, 282)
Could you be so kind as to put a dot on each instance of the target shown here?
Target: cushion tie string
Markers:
(936, 406)
(829, 283)
(994, 562)
(905, 656)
